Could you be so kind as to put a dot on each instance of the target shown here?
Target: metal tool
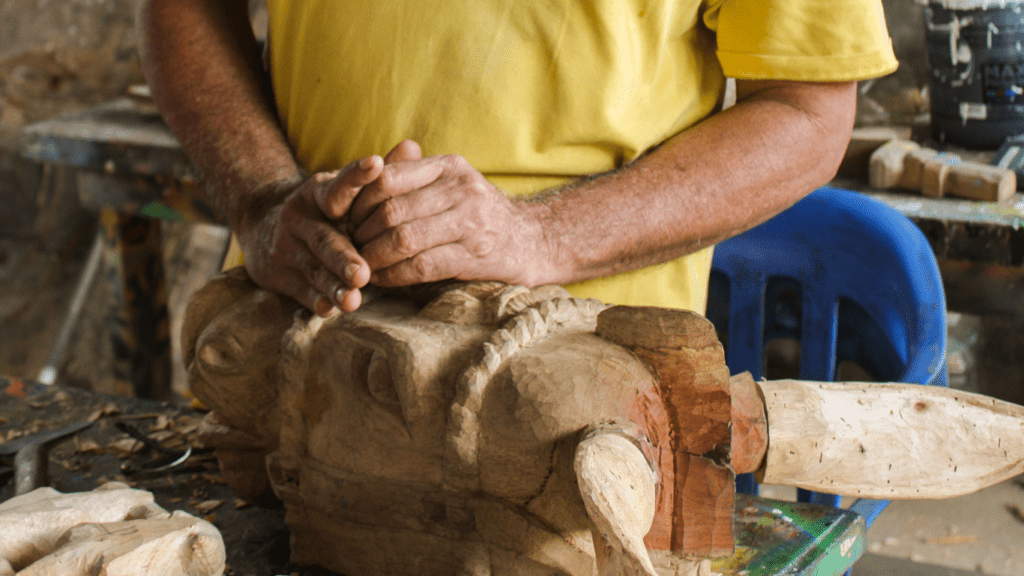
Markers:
(30, 455)
(171, 459)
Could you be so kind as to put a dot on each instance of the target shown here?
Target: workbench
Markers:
(979, 246)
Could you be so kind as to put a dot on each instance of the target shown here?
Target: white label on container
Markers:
(973, 111)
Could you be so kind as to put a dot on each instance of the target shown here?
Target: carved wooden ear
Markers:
(617, 485)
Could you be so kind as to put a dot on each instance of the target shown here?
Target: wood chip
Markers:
(163, 435)
(3, 420)
(109, 410)
(37, 405)
(86, 446)
(951, 539)
(16, 433)
(239, 504)
(211, 518)
(127, 446)
(61, 397)
(163, 422)
(208, 505)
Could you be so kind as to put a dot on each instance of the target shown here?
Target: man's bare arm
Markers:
(439, 218)
(206, 74)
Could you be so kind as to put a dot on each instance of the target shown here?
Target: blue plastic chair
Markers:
(849, 277)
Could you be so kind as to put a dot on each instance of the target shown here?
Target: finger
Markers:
(411, 238)
(438, 263)
(404, 151)
(336, 190)
(395, 180)
(293, 283)
(335, 253)
(415, 205)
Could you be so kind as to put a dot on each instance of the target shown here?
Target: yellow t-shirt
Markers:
(533, 92)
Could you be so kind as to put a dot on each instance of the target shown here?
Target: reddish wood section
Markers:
(695, 503)
(749, 424)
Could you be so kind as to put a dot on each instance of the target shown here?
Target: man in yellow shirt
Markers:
(532, 142)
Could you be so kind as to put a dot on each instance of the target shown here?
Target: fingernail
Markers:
(351, 270)
(339, 295)
(366, 163)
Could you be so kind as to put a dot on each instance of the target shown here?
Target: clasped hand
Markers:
(396, 221)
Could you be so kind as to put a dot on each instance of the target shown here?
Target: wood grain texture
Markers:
(618, 488)
(684, 353)
(889, 440)
(886, 165)
(113, 530)
(749, 424)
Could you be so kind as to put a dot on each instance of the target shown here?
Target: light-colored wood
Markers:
(33, 522)
(113, 530)
(618, 488)
(166, 545)
(904, 164)
(890, 441)
(981, 182)
(863, 142)
(886, 164)
(933, 176)
(913, 167)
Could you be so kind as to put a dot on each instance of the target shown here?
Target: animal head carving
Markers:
(481, 428)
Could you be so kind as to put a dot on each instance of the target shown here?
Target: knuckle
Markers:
(421, 267)
(320, 240)
(392, 212)
(405, 239)
(454, 161)
(388, 177)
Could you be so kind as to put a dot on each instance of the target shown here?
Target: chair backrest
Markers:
(846, 275)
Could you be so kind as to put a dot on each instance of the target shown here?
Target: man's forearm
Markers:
(204, 69)
(720, 177)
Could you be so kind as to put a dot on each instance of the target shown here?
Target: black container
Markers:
(976, 64)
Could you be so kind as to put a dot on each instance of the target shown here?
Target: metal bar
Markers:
(48, 375)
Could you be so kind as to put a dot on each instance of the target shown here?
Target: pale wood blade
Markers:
(889, 441)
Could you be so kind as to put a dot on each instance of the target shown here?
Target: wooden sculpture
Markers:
(484, 429)
(113, 530)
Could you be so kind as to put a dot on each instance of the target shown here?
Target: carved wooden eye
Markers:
(221, 353)
(379, 381)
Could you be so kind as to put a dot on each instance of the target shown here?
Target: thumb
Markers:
(404, 151)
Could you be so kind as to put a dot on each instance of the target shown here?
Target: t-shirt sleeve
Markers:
(805, 40)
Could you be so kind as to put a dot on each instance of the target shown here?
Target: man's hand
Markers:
(297, 247)
(435, 218)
